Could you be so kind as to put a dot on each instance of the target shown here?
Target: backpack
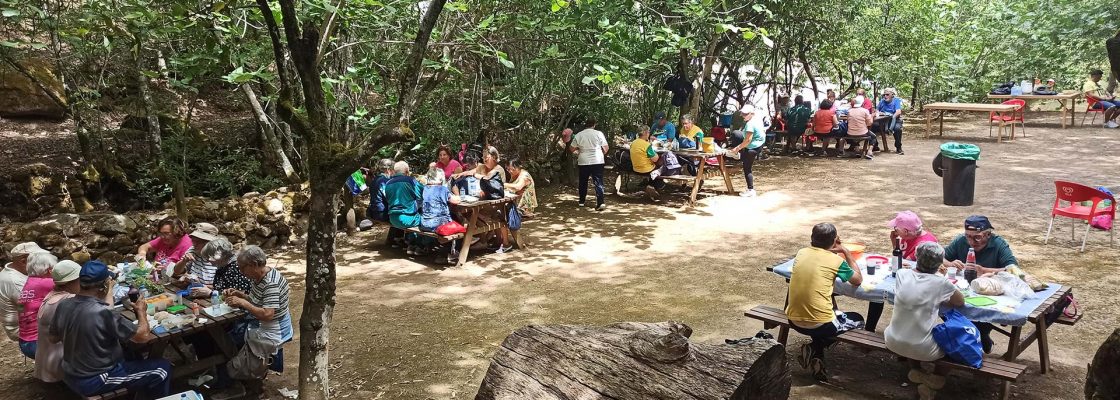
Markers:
(621, 159)
(514, 220)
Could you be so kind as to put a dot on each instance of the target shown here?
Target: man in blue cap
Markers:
(662, 128)
(993, 254)
(92, 334)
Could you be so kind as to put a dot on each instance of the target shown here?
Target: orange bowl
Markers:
(856, 249)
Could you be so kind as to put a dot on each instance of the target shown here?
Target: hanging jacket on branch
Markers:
(681, 88)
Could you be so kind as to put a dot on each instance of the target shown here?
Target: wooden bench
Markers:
(1005, 371)
(116, 394)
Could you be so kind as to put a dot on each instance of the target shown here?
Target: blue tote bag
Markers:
(959, 339)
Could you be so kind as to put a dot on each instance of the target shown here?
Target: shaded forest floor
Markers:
(407, 330)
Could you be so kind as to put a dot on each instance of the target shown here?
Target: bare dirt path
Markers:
(405, 330)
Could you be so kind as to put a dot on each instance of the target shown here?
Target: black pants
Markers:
(874, 311)
(895, 130)
(595, 172)
(655, 183)
(748, 156)
(824, 335)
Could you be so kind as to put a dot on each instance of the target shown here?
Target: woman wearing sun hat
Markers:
(48, 356)
(906, 228)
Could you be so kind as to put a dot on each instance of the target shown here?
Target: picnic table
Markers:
(480, 217)
(1062, 99)
(942, 107)
(1007, 311)
(702, 172)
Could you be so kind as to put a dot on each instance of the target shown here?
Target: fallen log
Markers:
(1101, 381)
(632, 360)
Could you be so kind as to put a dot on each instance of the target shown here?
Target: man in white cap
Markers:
(890, 108)
(193, 262)
(12, 279)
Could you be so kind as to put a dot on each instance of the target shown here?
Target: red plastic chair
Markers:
(1074, 194)
(1004, 118)
(1091, 109)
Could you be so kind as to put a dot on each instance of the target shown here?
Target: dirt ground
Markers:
(407, 330)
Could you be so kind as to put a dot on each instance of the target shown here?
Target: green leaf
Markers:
(8, 12)
(587, 80)
(460, 6)
(748, 35)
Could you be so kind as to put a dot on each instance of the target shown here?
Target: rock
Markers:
(232, 210)
(67, 248)
(111, 257)
(202, 208)
(263, 231)
(42, 228)
(251, 195)
(80, 257)
(21, 97)
(275, 206)
(96, 241)
(111, 224)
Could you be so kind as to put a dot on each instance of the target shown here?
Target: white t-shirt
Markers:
(590, 143)
(916, 301)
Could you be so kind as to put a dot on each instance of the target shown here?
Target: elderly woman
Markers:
(918, 295)
(491, 175)
(436, 209)
(446, 163)
(171, 244)
(522, 184)
(219, 254)
(907, 232)
(48, 356)
(39, 283)
(193, 267)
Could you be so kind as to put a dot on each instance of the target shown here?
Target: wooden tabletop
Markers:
(982, 107)
(480, 203)
(1031, 96)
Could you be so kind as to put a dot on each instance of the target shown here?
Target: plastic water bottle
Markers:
(214, 299)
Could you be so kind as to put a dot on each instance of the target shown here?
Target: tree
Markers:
(333, 155)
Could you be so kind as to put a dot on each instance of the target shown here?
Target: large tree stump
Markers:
(632, 360)
(1101, 381)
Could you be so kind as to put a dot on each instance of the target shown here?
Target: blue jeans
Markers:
(152, 377)
(1104, 105)
(595, 172)
(28, 348)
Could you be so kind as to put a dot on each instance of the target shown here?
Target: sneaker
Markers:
(748, 193)
(600, 207)
(504, 249)
(868, 156)
(900, 152)
(805, 355)
(652, 193)
(1111, 125)
(582, 204)
(986, 343)
(932, 381)
(816, 366)
(410, 251)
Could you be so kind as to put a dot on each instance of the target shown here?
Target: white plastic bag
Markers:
(1013, 286)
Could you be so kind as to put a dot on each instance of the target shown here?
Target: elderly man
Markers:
(91, 335)
(993, 254)
(644, 160)
(1092, 89)
(12, 279)
(810, 306)
(691, 135)
(403, 194)
(267, 305)
(662, 128)
(890, 118)
(199, 268)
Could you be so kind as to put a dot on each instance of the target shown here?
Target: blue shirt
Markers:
(669, 132)
(403, 195)
(891, 106)
(435, 211)
(378, 208)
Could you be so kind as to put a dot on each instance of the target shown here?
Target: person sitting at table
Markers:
(644, 160)
(663, 128)
(436, 211)
(12, 279)
(378, 209)
(465, 183)
(993, 254)
(810, 308)
(491, 177)
(826, 126)
(38, 284)
(48, 355)
(403, 194)
(446, 163)
(270, 322)
(831, 97)
(193, 263)
(746, 145)
(1105, 101)
(859, 119)
(690, 135)
(919, 293)
(862, 100)
(890, 105)
(797, 122)
(91, 334)
(522, 184)
(171, 244)
(228, 275)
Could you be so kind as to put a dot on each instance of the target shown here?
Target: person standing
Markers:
(591, 145)
(745, 145)
(797, 120)
(892, 105)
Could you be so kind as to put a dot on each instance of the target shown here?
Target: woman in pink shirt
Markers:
(39, 283)
(446, 163)
(171, 244)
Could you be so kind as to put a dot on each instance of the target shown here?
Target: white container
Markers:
(1027, 86)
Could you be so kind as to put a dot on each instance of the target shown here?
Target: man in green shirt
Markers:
(1092, 89)
(993, 254)
(797, 120)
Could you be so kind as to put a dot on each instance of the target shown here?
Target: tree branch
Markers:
(409, 90)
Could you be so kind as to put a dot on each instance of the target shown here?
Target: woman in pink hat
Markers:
(906, 229)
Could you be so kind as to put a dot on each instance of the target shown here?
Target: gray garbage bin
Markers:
(956, 165)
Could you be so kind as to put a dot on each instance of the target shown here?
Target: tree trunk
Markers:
(149, 111)
(273, 149)
(632, 360)
(318, 303)
(1100, 379)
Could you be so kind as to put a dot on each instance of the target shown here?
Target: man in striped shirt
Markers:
(267, 305)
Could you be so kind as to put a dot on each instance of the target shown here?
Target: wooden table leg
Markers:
(472, 226)
(941, 127)
(1013, 344)
(1043, 344)
(1064, 111)
(723, 171)
(697, 182)
(929, 122)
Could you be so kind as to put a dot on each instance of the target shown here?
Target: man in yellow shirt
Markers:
(810, 308)
(644, 160)
(1093, 89)
(690, 134)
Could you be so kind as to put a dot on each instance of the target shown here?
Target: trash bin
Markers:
(956, 165)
